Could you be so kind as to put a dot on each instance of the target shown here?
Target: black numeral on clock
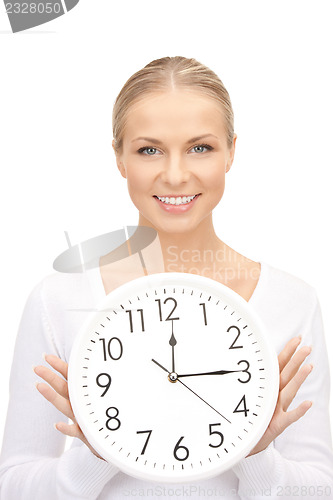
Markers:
(131, 319)
(101, 384)
(233, 346)
(204, 312)
(221, 438)
(112, 351)
(244, 410)
(168, 318)
(180, 449)
(112, 418)
(146, 442)
(245, 371)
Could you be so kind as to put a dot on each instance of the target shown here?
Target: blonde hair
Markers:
(166, 74)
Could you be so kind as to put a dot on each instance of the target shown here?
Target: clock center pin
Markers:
(173, 377)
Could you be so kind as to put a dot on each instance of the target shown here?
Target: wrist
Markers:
(259, 448)
(256, 450)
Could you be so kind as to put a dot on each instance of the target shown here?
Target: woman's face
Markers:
(175, 148)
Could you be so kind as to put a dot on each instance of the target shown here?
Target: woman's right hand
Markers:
(57, 394)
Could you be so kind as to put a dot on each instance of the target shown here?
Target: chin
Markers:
(174, 227)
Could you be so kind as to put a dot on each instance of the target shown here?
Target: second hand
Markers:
(187, 387)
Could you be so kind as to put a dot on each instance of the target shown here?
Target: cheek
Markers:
(214, 178)
(138, 182)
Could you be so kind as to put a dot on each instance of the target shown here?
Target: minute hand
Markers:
(219, 372)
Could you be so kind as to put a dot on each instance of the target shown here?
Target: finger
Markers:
(58, 383)
(58, 364)
(287, 352)
(291, 389)
(71, 430)
(293, 366)
(294, 415)
(60, 403)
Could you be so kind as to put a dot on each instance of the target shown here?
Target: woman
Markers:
(174, 143)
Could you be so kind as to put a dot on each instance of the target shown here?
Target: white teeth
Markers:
(180, 200)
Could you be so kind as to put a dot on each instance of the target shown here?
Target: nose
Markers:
(175, 171)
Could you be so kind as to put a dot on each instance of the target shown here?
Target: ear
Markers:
(231, 154)
(120, 164)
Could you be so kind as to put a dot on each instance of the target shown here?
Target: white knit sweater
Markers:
(34, 465)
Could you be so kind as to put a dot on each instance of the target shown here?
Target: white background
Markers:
(57, 87)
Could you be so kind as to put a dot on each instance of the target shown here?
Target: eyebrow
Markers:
(156, 141)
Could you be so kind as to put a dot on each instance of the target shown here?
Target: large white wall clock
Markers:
(173, 378)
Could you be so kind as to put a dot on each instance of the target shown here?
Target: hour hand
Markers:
(219, 372)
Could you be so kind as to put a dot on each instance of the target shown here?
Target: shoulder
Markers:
(287, 304)
(286, 288)
(62, 302)
(58, 291)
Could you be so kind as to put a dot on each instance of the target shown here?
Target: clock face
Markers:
(174, 378)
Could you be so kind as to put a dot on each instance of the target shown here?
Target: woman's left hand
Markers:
(291, 379)
(56, 392)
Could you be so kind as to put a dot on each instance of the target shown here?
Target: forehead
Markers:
(177, 111)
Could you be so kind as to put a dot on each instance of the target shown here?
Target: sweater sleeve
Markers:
(33, 462)
(299, 462)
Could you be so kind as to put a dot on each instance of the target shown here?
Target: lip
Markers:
(177, 209)
(175, 195)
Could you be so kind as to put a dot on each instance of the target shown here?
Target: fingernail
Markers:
(44, 356)
(36, 385)
(55, 426)
(33, 367)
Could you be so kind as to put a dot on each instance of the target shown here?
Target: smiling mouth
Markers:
(177, 200)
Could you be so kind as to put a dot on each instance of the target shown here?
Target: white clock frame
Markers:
(109, 312)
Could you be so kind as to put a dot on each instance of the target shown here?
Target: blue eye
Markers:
(202, 146)
(148, 150)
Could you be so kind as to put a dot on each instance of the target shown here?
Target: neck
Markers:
(190, 251)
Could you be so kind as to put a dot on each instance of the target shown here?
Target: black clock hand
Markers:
(173, 342)
(173, 377)
(219, 372)
(158, 364)
(187, 387)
